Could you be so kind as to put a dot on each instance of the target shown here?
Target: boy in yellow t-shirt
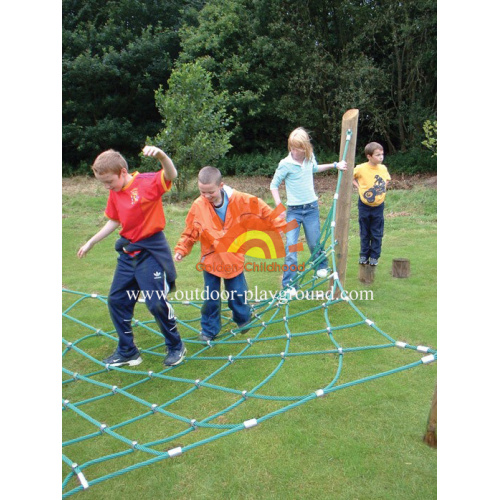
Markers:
(371, 179)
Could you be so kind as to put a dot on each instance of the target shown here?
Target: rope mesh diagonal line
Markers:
(110, 415)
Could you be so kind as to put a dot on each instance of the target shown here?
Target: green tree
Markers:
(430, 131)
(194, 120)
(286, 63)
(115, 55)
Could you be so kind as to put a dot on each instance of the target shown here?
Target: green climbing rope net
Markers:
(222, 386)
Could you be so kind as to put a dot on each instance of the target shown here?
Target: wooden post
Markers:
(366, 274)
(430, 436)
(349, 121)
(400, 268)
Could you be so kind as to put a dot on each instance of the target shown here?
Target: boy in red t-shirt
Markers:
(145, 261)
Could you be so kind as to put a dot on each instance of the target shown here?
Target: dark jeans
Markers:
(210, 312)
(371, 229)
(132, 275)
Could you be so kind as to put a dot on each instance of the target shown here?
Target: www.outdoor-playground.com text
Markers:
(250, 295)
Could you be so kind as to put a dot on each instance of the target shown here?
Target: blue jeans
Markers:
(210, 312)
(371, 229)
(132, 275)
(307, 216)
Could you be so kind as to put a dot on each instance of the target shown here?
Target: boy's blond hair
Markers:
(209, 175)
(371, 147)
(109, 161)
(300, 139)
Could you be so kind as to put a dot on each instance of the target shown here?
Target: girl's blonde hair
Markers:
(299, 139)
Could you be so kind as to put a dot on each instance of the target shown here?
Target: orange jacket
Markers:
(245, 213)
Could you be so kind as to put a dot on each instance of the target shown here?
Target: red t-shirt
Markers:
(138, 207)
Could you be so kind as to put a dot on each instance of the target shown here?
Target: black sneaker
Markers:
(373, 261)
(175, 357)
(117, 359)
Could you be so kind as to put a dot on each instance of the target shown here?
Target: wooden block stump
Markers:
(400, 268)
(430, 437)
(366, 274)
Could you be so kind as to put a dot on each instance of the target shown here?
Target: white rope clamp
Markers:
(422, 348)
(428, 359)
(369, 322)
(250, 423)
(340, 350)
(335, 275)
(332, 223)
(320, 393)
(81, 477)
(336, 196)
(174, 452)
(400, 344)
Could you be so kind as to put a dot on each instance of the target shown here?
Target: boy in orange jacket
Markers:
(218, 210)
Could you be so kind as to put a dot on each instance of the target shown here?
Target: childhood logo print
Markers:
(257, 237)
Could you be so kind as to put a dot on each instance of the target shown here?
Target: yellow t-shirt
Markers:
(372, 183)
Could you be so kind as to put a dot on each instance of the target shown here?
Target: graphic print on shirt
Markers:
(254, 236)
(378, 188)
(134, 196)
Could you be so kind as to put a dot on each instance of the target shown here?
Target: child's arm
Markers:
(278, 178)
(277, 200)
(276, 196)
(107, 229)
(169, 170)
(341, 165)
(189, 237)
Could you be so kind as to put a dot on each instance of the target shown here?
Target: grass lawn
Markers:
(361, 442)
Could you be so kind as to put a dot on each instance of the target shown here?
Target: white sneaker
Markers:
(322, 273)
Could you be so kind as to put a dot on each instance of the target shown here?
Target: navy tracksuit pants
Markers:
(371, 229)
(132, 275)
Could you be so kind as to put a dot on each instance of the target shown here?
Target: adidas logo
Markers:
(157, 275)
